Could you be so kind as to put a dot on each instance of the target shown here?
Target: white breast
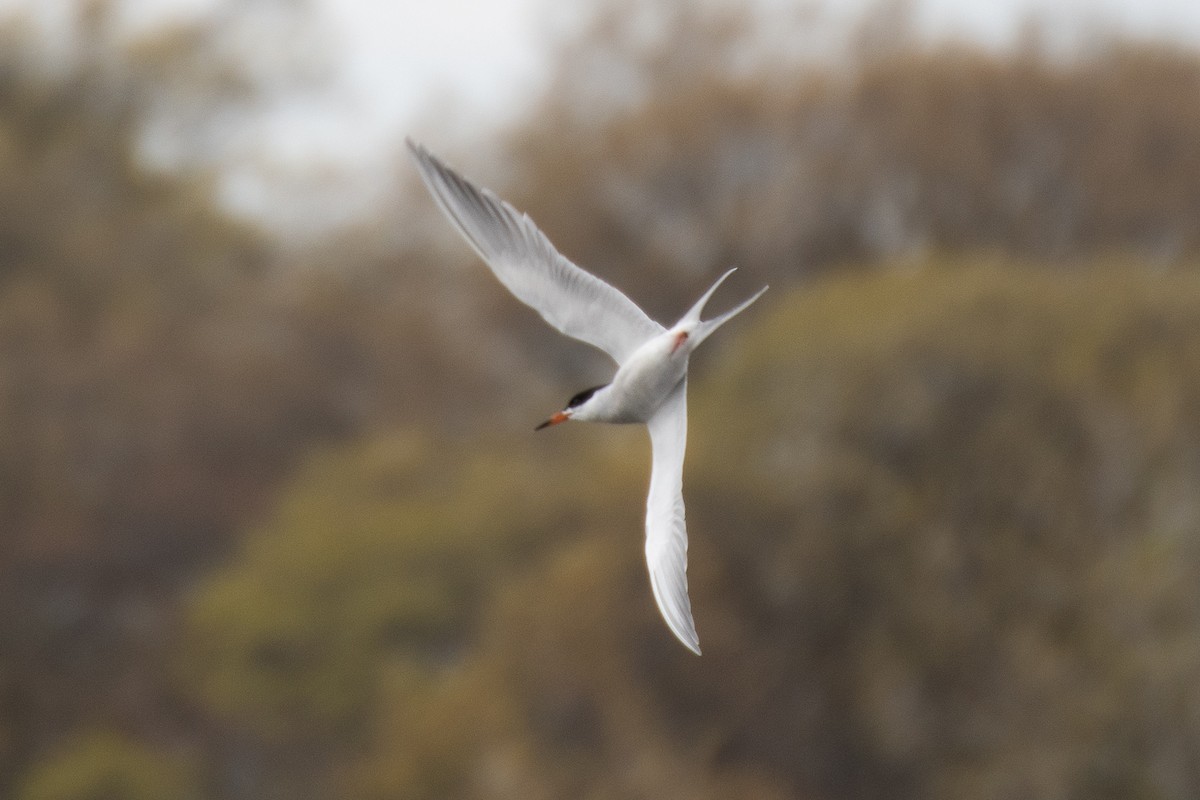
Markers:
(646, 378)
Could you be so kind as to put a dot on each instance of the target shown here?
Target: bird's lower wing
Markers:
(666, 532)
(574, 301)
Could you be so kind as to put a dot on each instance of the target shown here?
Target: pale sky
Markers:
(484, 58)
(445, 70)
(487, 55)
(397, 58)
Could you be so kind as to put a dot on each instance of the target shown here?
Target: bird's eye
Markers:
(583, 396)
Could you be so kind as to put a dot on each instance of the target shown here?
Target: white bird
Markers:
(650, 385)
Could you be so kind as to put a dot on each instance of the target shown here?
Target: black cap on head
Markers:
(584, 396)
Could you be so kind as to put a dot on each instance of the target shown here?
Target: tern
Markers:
(650, 384)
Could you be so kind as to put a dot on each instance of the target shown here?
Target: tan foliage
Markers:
(941, 547)
(943, 515)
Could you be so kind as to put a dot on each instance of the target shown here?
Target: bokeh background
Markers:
(273, 521)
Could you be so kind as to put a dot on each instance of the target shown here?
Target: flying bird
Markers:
(650, 384)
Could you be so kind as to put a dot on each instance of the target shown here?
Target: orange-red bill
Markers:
(554, 420)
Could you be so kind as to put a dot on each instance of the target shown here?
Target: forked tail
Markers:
(705, 329)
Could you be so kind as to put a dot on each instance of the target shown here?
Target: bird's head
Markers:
(575, 404)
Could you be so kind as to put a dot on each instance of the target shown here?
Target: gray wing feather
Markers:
(575, 302)
(666, 532)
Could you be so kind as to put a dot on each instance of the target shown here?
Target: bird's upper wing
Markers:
(577, 303)
(666, 533)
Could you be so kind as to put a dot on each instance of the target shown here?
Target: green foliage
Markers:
(147, 398)
(155, 379)
(942, 546)
(943, 517)
(379, 554)
(106, 766)
(974, 464)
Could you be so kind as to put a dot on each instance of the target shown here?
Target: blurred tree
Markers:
(152, 382)
(373, 571)
(954, 560)
(959, 496)
(105, 766)
(972, 464)
(677, 138)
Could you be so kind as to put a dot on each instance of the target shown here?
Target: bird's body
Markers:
(650, 385)
(640, 384)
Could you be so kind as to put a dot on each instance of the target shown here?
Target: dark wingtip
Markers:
(420, 152)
